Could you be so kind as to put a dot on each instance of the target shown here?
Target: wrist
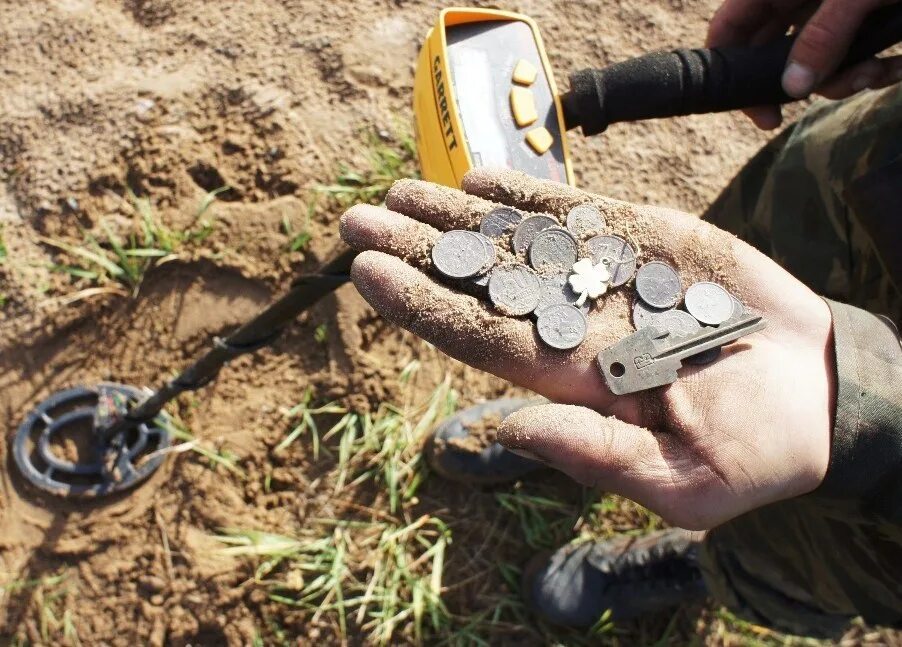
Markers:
(866, 444)
(815, 403)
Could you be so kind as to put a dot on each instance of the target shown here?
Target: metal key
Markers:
(650, 357)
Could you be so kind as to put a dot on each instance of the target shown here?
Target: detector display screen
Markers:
(482, 57)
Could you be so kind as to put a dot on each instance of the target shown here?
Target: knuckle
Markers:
(817, 40)
(399, 189)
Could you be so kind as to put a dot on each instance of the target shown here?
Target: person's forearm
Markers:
(865, 473)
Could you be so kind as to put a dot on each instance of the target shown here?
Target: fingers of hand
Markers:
(522, 191)
(871, 74)
(593, 449)
(469, 330)
(822, 43)
(365, 227)
(457, 324)
(738, 21)
(765, 117)
(440, 206)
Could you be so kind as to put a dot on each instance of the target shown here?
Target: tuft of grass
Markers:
(383, 446)
(298, 239)
(612, 515)
(391, 157)
(544, 522)
(397, 585)
(306, 415)
(321, 334)
(381, 575)
(220, 457)
(604, 625)
(111, 259)
(51, 601)
(4, 250)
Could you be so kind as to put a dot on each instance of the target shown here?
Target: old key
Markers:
(651, 356)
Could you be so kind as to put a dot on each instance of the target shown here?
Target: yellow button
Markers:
(523, 106)
(524, 72)
(540, 139)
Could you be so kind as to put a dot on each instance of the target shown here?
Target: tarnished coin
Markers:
(677, 322)
(460, 254)
(738, 308)
(617, 254)
(481, 280)
(553, 250)
(491, 255)
(658, 285)
(562, 326)
(705, 357)
(585, 220)
(644, 315)
(585, 308)
(527, 230)
(709, 303)
(514, 289)
(500, 221)
(555, 289)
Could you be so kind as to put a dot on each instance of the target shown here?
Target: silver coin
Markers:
(738, 308)
(617, 254)
(644, 314)
(585, 308)
(460, 254)
(500, 221)
(709, 303)
(562, 326)
(705, 357)
(555, 289)
(491, 254)
(514, 289)
(481, 280)
(585, 220)
(553, 250)
(677, 322)
(527, 230)
(658, 285)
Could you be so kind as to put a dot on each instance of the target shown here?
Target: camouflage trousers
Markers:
(819, 200)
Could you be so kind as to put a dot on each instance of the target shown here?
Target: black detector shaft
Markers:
(255, 334)
(699, 81)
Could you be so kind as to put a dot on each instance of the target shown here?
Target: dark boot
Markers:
(476, 458)
(631, 576)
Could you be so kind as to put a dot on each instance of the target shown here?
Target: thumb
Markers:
(593, 449)
(655, 470)
(822, 43)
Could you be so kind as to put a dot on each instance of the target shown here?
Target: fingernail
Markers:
(798, 80)
(522, 453)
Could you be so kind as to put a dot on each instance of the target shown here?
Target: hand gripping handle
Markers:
(698, 81)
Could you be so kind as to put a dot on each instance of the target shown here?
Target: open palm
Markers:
(749, 429)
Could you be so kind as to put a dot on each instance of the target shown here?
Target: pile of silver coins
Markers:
(659, 292)
(534, 276)
(528, 265)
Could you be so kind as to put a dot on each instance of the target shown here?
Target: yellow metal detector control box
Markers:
(484, 95)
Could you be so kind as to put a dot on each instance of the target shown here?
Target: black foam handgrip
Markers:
(696, 81)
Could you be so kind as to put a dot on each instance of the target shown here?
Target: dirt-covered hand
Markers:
(747, 430)
(826, 30)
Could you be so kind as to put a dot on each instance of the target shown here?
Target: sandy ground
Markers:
(171, 99)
